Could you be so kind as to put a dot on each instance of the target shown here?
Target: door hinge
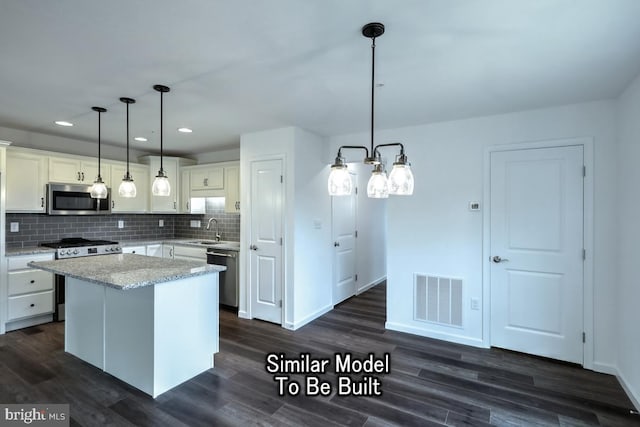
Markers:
(356, 234)
(584, 254)
(280, 303)
(584, 171)
(281, 241)
(584, 337)
(356, 278)
(281, 179)
(356, 189)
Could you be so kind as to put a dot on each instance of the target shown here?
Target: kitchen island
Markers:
(151, 322)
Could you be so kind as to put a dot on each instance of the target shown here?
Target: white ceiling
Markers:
(238, 66)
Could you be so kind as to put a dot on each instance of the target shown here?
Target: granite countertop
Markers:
(126, 271)
(29, 250)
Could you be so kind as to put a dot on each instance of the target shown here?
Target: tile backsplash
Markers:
(37, 228)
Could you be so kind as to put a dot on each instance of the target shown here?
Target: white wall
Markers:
(434, 232)
(628, 233)
(218, 156)
(312, 248)
(307, 280)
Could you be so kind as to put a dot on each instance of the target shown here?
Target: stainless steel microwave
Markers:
(75, 199)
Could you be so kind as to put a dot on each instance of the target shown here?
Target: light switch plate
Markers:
(161, 223)
(15, 227)
(195, 223)
(120, 223)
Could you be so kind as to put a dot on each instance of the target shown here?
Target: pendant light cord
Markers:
(99, 137)
(373, 76)
(161, 131)
(128, 176)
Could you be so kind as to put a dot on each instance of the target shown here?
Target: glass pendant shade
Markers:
(378, 187)
(161, 186)
(401, 180)
(127, 187)
(340, 181)
(99, 189)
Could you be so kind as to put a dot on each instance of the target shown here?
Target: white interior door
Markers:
(343, 223)
(537, 251)
(265, 255)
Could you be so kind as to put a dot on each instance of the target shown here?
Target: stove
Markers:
(78, 247)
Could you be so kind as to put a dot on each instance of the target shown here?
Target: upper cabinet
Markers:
(26, 180)
(171, 166)
(232, 188)
(140, 175)
(207, 178)
(76, 171)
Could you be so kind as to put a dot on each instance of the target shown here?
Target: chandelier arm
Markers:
(353, 147)
(392, 144)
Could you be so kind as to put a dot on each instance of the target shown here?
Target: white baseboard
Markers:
(243, 314)
(633, 394)
(300, 323)
(458, 339)
(605, 368)
(370, 285)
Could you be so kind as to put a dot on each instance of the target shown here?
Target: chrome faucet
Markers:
(217, 228)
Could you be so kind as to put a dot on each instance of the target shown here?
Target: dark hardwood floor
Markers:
(430, 382)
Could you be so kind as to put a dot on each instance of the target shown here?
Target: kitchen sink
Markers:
(205, 242)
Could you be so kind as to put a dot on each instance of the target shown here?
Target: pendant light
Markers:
(99, 189)
(161, 185)
(400, 182)
(127, 186)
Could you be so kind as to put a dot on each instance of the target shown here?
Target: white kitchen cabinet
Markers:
(30, 298)
(171, 167)
(232, 189)
(185, 192)
(189, 253)
(167, 251)
(209, 178)
(154, 250)
(76, 171)
(140, 175)
(26, 182)
(140, 250)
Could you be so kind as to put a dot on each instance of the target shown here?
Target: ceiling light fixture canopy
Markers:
(127, 186)
(161, 185)
(99, 189)
(400, 181)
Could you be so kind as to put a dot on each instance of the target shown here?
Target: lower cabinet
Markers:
(154, 250)
(189, 253)
(30, 292)
(140, 250)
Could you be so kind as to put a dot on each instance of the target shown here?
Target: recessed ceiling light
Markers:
(185, 130)
(140, 138)
(63, 123)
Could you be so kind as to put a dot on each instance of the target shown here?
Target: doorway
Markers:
(343, 230)
(535, 250)
(265, 249)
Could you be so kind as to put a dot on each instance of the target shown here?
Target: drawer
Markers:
(188, 252)
(19, 262)
(30, 305)
(28, 281)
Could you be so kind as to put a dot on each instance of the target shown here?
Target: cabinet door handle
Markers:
(171, 252)
(42, 202)
(206, 182)
(82, 176)
(78, 176)
(174, 205)
(187, 205)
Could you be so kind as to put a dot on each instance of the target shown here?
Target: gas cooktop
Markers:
(77, 247)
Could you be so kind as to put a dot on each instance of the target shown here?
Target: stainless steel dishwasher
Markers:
(228, 278)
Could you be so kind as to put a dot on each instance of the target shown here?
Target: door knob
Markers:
(336, 244)
(498, 260)
(253, 247)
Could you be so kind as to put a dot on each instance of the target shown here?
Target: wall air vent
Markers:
(438, 300)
